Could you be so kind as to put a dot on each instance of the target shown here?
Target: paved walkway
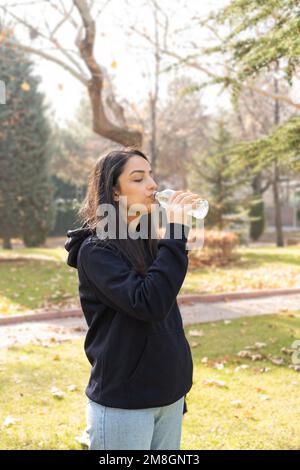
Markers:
(206, 312)
(60, 330)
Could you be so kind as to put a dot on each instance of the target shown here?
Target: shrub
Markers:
(218, 248)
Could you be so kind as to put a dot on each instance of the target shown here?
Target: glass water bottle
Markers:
(199, 212)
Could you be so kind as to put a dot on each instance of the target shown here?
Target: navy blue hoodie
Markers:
(135, 341)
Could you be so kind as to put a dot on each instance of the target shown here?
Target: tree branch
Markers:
(47, 56)
(50, 39)
(101, 124)
(194, 64)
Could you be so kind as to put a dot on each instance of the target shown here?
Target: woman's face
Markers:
(137, 184)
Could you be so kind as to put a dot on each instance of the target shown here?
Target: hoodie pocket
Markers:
(165, 364)
(140, 362)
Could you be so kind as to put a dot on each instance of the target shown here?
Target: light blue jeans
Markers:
(146, 429)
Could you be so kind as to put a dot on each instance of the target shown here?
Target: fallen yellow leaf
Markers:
(25, 86)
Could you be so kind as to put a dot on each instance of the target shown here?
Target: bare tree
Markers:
(81, 63)
(183, 130)
(154, 95)
(158, 31)
(193, 56)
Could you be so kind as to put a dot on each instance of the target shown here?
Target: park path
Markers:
(59, 330)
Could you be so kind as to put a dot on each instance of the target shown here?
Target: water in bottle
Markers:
(199, 212)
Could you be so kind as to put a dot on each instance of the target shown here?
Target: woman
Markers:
(141, 361)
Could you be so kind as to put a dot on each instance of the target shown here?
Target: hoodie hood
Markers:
(75, 239)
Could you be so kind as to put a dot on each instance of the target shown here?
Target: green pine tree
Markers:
(216, 178)
(26, 208)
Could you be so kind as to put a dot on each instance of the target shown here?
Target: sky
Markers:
(128, 59)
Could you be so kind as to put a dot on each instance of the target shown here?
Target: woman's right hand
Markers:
(178, 206)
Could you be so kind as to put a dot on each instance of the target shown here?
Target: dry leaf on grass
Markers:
(257, 357)
(244, 354)
(83, 440)
(248, 355)
(218, 366)
(57, 393)
(265, 397)
(10, 421)
(196, 333)
(295, 367)
(241, 367)
(278, 361)
(263, 370)
(236, 403)
(260, 390)
(259, 345)
(288, 351)
(214, 383)
(249, 415)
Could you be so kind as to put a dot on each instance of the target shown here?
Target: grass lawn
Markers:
(256, 268)
(254, 407)
(41, 277)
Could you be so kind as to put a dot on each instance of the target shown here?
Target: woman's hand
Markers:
(178, 206)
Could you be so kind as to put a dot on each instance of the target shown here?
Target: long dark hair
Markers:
(105, 176)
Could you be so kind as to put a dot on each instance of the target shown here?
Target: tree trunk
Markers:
(153, 142)
(278, 221)
(101, 124)
(276, 174)
(257, 227)
(7, 243)
(154, 96)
